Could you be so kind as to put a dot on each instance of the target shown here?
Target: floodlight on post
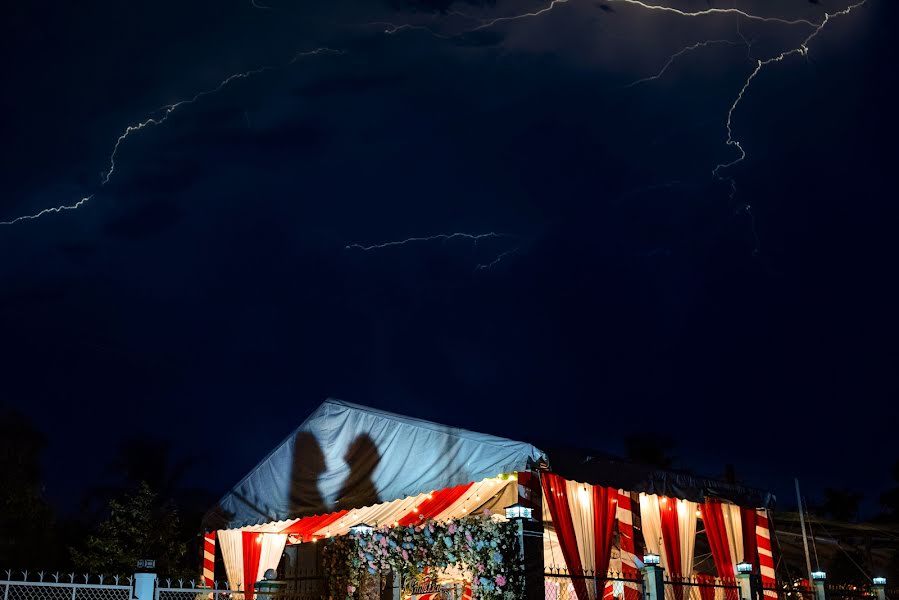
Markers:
(744, 579)
(881, 581)
(819, 576)
(879, 585)
(519, 512)
(361, 529)
(652, 560)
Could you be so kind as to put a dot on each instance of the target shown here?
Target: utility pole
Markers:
(808, 561)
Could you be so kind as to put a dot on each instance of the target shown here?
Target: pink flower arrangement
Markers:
(500, 580)
(350, 589)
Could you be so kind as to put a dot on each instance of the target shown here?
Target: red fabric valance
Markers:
(304, 528)
(439, 502)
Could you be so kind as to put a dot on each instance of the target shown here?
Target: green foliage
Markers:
(139, 526)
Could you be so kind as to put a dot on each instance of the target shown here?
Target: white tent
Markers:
(347, 456)
(348, 464)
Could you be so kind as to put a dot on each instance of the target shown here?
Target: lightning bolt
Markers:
(678, 54)
(392, 28)
(47, 211)
(446, 237)
(489, 266)
(443, 237)
(652, 7)
(801, 50)
(161, 116)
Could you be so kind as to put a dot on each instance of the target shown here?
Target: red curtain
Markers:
(671, 539)
(716, 531)
(439, 502)
(668, 513)
(748, 521)
(557, 499)
(304, 528)
(252, 548)
(604, 505)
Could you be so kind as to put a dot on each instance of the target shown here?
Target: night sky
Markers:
(207, 293)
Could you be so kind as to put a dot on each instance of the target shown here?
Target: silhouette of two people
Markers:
(357, 490)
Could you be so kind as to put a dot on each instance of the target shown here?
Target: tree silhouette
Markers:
(140, 525)
(25, 517)
(890, 498)
(652, 449)
(841, 505)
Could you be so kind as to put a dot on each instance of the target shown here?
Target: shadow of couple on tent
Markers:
(358, 489)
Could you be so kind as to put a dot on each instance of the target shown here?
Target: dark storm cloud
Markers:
(436, 5)
(353, 84)
(78, 250)
(209, 282)
(145, 219)
(479, 39)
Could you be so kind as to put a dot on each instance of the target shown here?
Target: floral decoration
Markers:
(483, 548)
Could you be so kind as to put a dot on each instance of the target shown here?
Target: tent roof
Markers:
(347, 456)
(599, 469)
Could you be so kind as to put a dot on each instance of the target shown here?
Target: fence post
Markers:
(145, 586)
(879, 584)
(653, 578)
(745, 586)
(819, 577)
(529, 532)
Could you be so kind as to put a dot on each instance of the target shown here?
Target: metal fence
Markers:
(848, 591)
(701, 588)
(559, 585)
(168, 590)
(45, 586)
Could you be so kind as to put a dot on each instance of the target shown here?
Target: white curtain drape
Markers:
(270, 553)
(231, 544)
(580, 502)
(686, 525)
(734, 525)
(651, 522)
